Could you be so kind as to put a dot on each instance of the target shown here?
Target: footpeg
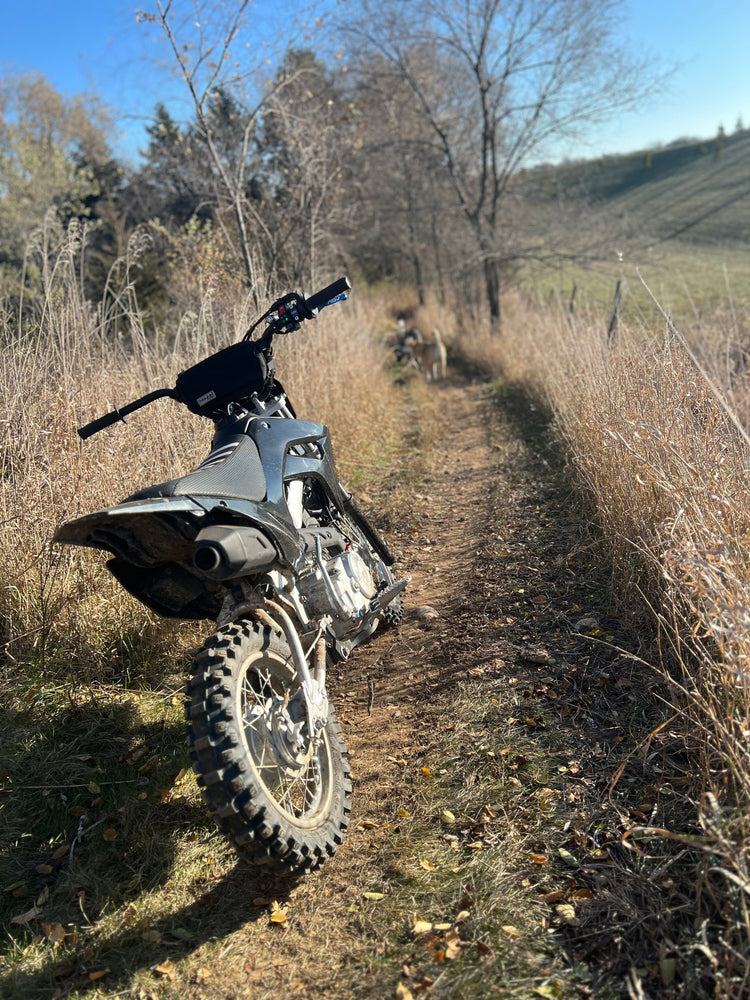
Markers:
(385, 597)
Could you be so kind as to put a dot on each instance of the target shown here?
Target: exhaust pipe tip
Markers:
(207, 558)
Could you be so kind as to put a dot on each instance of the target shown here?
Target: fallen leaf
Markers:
(427, 865)
(44, 869)
(24, 918)
(567, 913)
(402, 993)
(109, 834)
(511, 932)
(165, 969)
(568, 858)
(421, 926)
(453, 945)
(551, 992)
(426, 772)
(539, 859)
(55, 934)
(100, 973)
(94, 788)
(61, 851)
(373, 896)
(667, 970)
(447, 818)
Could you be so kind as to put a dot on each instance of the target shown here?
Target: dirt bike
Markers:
(263, 539)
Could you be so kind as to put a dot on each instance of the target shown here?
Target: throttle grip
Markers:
(324, 296)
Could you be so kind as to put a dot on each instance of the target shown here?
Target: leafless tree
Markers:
(306, 140)
(498, 81)
(273, 137)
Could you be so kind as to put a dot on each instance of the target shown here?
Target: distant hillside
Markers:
(696, 191)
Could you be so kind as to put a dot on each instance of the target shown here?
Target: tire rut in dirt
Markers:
(282, 800)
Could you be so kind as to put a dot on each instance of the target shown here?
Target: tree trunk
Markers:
(492, 290)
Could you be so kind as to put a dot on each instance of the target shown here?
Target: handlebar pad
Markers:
(324, 296)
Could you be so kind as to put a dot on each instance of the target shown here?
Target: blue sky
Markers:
(97, 45)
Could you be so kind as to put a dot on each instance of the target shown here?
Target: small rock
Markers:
(586, 624)
(425, 613)
(535, 656)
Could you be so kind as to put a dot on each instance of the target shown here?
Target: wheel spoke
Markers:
(273, 710)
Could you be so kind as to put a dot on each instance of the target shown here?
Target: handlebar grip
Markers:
(99, 424)
(324, 296)
(119, 414)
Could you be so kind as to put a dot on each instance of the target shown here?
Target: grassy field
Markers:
(697, 191)
(654, 426)
(704, 290)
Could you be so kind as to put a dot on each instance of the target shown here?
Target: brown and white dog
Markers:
(429, 356)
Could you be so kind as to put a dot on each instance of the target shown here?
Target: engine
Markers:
(342, 586)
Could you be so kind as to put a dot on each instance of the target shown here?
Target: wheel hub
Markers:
(285, 736)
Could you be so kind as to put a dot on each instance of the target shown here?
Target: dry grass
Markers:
(651, 429)
(73, 363)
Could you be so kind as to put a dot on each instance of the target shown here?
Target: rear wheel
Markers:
(280, 793)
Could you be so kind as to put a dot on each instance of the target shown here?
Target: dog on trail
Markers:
(430, 356)
(404, 340)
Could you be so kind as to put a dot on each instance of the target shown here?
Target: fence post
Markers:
(572, 303)
(614, 319)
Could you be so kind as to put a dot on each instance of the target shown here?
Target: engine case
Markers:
(350, 579)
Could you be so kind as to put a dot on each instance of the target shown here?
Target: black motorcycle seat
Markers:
(233, 469)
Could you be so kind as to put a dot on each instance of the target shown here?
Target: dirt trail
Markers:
(381, 693)
(388, 701)
(487, 538)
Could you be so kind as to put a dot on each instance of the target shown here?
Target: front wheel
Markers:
(280, 793)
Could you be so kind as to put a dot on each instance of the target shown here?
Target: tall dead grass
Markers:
(60, 612)
(651, 429)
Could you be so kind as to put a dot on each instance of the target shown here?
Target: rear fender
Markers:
(141, 532)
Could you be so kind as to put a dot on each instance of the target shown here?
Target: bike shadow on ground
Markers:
(122, 892)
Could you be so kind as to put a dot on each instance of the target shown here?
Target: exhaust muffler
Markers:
(225, 553)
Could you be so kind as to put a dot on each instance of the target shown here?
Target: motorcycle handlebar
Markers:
(326, 295)
(119, 414)
(319, 300)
